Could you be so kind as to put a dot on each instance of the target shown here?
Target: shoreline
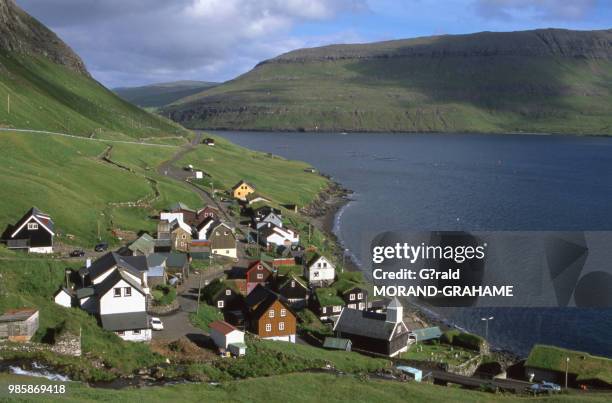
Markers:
(400, 132)
(323, 212)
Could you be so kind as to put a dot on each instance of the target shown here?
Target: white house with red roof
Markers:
(227, 337)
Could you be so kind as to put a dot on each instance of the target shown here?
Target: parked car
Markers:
(157, 324)
(101, 247)
(544, 387)
(77, 253)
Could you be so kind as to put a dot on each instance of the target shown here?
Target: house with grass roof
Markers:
(355, 295)
(326, 303)
(224, 295)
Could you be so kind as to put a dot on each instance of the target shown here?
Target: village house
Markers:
(65, 297)
(222, 240)
(224, 295)
(385, 334)
(242, 189)
(272, 236)
(227, 338)
(156, 273)
(355, 296)
(115, 289)
(258, 272)
(271, 218)
(19, 325)
(177, 263)
(188, 215)
(293, 289)
(335, 343)
(143, 246)
(269, 317)
(326, 303)
(255, 198)
(33, 233)
(319, 271)
(262, 212)
(202, 230)
(206, 213)
(180, 236)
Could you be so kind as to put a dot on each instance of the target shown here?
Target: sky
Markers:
(138, 42)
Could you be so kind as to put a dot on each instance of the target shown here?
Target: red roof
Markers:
(222, 326)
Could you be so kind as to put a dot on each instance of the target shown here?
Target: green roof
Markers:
(180, 206)
(290, 277)
(212, 290)
(336, 343)
(328, 297)
(584, 365)
(343, 286)
(427, 333)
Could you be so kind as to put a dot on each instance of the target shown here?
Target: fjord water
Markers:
(469, 182)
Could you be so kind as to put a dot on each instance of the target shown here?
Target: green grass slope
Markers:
(66, 178)
(532, 81)
(157, 95)
(48, 96)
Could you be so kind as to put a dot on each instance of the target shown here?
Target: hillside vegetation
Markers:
(532, 81)
(156, 95)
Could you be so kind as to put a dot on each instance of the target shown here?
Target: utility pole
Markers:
(8, 103)
(567, 360)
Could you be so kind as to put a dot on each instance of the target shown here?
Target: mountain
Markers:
(44, 85)
(549, 80)
(157, 95)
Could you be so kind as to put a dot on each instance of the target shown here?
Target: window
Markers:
(352, 306)
(127, 292)
(281, 326)
(292, 283)
(268, 327)
(184, 236)
(228, 292)
(283, 312)
(324, 309)
(117, 292)
(352, 297)
(337, 309)
(325, 264)
(360, 295)
(120, 333)
(32, 226)
(136, 331)
(259, 276)
(220, 304)
(316, 274)
(361, 306)
(271, 313)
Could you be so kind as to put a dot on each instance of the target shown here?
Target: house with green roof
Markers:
(224, 294)
(355, 295)
(293, 289)
(326, 303)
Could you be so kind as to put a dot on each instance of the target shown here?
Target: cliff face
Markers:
(535, 43)
(21, 33)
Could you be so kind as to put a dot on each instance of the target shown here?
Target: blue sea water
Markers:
(469, 182)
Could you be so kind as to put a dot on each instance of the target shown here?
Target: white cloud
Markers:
(555, 10)
(127, 42)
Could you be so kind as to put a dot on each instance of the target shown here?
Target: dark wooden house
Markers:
(33, 233)
(293, 289)
(269, 316)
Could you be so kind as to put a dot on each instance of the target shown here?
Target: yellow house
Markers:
(242, 189)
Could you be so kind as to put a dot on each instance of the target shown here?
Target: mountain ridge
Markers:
(549, 80)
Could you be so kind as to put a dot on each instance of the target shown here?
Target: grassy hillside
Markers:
(48, 96)
(157, 95)
(280, 180)
(292, 387)
(533, 81)
(585, 365)
(66, 178)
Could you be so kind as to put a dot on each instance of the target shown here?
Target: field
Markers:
(66, 177)
(284, 388)
(280, 180)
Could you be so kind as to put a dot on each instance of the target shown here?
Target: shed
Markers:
(64, 297)
(427, 333)
(336, 343)
(19, 324)
(237, 349)
(414, 373)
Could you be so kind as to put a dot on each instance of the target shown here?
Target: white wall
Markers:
(290, 338)
(324, 273)
(104, 275)
(171, 217)
(63, 299)
(223, 340)
(111, 304)
(45, 250)
(128, 335)
(225, 252)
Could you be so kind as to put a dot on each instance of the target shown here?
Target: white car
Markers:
(157, 324)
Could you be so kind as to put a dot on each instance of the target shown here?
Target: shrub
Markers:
(164, 294)
(466, 340)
